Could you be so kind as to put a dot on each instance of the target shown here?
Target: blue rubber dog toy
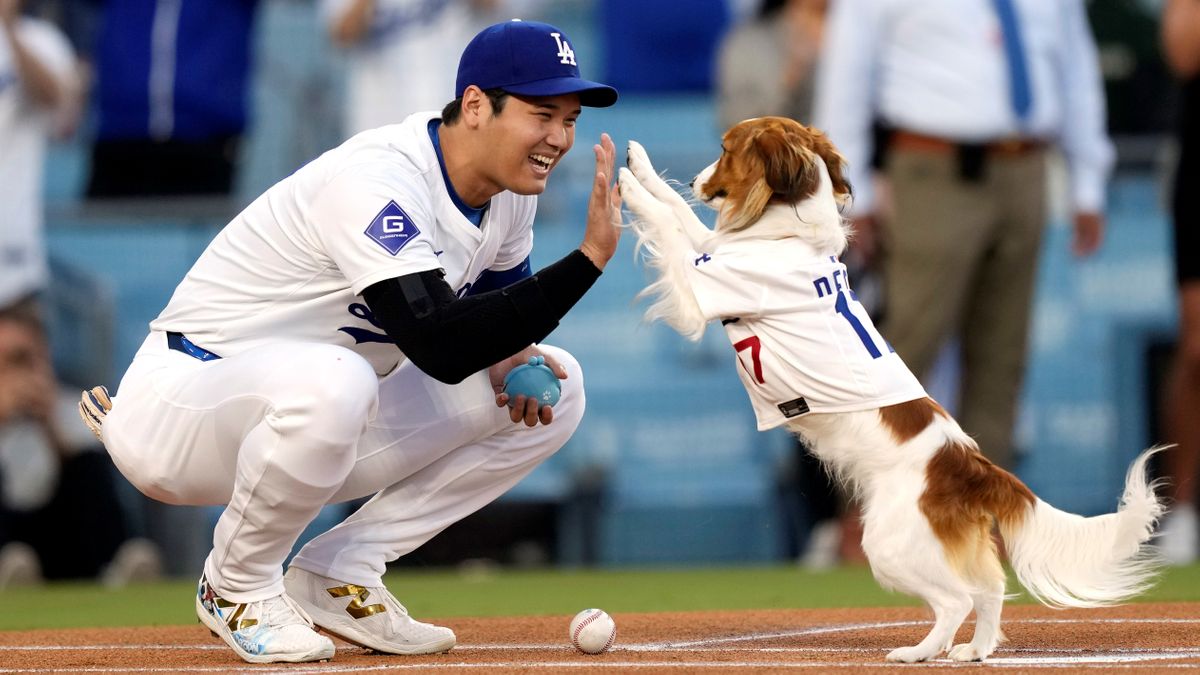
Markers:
(533, 380)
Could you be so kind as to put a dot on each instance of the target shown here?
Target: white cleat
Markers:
(274, 630)
(368, 617)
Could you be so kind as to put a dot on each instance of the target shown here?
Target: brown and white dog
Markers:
(929, 497)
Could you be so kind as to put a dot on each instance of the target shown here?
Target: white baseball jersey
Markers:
(24, 128)
(803, 342)
(291, 266)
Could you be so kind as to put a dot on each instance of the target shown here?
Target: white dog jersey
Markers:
(291, 266)
(803, 342)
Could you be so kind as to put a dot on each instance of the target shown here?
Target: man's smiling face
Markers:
(527, 140)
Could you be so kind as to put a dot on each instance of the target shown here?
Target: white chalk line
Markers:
(1063, 658)
(665, 646)
(1187, 651)
(845, 628)
(620, 666)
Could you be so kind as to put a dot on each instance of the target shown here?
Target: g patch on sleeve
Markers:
(392, 228)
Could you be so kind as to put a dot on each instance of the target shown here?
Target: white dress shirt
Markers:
(938, 67)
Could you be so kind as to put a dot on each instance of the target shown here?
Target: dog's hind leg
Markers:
(987, 626)
(949, 611)
(905, 555)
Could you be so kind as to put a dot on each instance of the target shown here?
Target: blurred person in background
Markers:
(1181, 45)
(401, 53)
(60, 516)
(172, 87)
(39, 100)
(975, 93)
(767, 65)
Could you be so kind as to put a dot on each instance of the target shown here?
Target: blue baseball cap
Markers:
(527, 58)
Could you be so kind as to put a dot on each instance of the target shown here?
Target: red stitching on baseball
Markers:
(583, 624)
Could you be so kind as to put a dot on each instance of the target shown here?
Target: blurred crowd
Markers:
(947, 111)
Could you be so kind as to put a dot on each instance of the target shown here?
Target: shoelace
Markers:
(391, 599)
(283, 611)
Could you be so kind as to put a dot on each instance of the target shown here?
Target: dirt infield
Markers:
(1146, 638)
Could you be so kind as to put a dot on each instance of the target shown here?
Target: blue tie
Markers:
(1014, 51)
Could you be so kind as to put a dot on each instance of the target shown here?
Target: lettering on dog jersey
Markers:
(824, 287)
(392, 228)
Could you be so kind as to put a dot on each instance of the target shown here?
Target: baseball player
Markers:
(347, 335)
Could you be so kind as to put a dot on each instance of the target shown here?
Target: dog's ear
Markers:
(789, 152)
(787, 164)
(835, 164)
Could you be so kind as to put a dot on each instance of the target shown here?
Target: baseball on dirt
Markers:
(593, 631)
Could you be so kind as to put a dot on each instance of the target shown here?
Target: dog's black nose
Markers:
(692, 183)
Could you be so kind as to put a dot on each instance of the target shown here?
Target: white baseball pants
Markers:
(281, 430)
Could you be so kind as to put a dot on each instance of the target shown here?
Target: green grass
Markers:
(449, 593)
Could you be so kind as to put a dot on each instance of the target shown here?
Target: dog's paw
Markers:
(639, 200)
(913, 654)
(637, 160)
(966, 652)
(639, 163)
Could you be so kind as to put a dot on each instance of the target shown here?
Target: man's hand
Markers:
(1089, 233)
(352, 22)
(526, 409)
(604, 207)
(865, 236)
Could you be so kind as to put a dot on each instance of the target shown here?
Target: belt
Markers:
(1011, 147)
(180, 343)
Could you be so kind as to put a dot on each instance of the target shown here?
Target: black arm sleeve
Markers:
(450, 338)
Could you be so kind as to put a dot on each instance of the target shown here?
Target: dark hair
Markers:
(25, 312)
(770, 7)
(453, 109)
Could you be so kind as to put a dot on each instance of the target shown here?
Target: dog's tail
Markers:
(1065, 560)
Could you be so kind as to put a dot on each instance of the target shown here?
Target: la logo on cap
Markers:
(565, 53)
(515, 57)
